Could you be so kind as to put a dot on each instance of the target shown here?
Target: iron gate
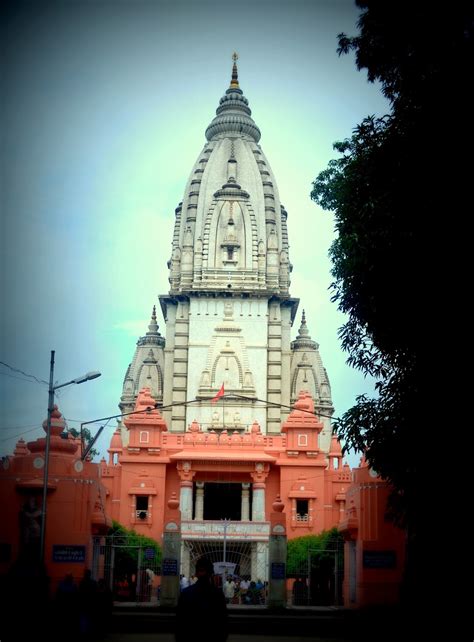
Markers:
(244, 562)
(318, 580)
(131, 571)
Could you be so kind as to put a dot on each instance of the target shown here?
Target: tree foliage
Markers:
(391, 189)
(299, 549)
(127, 554)
(87, 436)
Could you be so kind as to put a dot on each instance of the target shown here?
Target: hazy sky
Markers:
(105, 108)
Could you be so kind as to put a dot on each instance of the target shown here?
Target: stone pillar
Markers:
(245, 510)
(199, 510)
(277, 597)
(258, 561)
(186, 489)
(185, 560)
(258, 504)
(258, 499)
(171, 555)
(186, 499)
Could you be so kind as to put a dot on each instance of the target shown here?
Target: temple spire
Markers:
(153, 336)
(153, 327)
(234, 83)
(303, 331)
(303, 339)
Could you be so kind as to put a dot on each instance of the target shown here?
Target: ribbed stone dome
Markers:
(233, 116)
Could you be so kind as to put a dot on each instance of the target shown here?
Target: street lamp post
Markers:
(87, 377)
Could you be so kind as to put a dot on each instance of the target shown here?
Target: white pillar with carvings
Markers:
(245, 506)
(258, 502)
(185, 560)
(259, 561)
(199, 508)
(186, 499)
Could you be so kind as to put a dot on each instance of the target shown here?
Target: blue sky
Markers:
(105, 108)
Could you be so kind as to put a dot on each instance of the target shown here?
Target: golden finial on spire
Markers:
(235, 80)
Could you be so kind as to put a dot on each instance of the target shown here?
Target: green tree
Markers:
(397, 190)
(87, 436)
(133, 542)
(299, 548)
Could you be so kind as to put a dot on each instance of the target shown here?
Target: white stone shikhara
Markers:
(228, 312)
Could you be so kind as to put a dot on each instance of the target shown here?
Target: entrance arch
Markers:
(242, 560)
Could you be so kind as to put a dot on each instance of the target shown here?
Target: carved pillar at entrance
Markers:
(258, 499)
(186, 489)
(258, 504)
(258, 561)
(171, 554)
(277, 552)
(199, 508)
(185, 561)
(245, 507)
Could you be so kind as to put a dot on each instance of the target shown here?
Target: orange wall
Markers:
(75, 505)
(374, 553)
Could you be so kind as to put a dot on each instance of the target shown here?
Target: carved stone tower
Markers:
(229, 312)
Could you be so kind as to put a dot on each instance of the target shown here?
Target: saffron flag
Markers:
(219, 394)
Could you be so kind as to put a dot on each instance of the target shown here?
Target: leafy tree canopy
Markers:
(133, 543)
(393, 188)
(299, 548)
(87, 436)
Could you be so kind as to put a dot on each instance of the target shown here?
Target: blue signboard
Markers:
(149, 553)
(170, 566)
(379, 559)
(278, 570)
(69, 553)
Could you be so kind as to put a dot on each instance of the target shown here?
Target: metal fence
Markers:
(132, 572)
(317, 581)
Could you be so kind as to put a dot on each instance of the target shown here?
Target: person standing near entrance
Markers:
(202, 602)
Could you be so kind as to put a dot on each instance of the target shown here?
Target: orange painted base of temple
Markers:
(75, 504)
(374, 551)
(133, 488)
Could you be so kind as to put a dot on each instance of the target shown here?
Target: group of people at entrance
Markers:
(244, 591)
(236, 590)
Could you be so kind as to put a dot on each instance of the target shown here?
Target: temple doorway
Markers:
(242, 561)
(222, 501)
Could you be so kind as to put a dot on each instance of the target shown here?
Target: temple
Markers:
(228, 321)
(224, 417)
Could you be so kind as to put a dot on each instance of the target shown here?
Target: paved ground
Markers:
(168, 637)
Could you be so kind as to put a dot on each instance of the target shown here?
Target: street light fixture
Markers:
(87, 377)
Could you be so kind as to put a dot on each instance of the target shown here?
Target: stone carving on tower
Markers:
(308, 373)
(230, 245)
(146, 369)
(229, 312)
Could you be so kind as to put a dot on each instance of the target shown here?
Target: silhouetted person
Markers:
(300, 592)
(67, 607)
(103, 608)
(202, 602)
(87, 597)
(25, 589)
